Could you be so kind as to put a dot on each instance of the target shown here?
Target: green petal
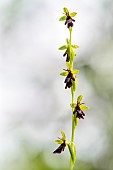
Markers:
(83, 107)
(65, 73)
(59, 141)
(64, 47)
(63, 135)
(79, 98)
(73, 14)
(65, 10)
(75, 46)
(75, 71)
(63, 18)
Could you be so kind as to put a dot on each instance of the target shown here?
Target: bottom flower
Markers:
(60, 148)
(62, 142)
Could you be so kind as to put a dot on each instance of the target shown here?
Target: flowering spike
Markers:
(71, 83)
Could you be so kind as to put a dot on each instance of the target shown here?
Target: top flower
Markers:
(68, 17)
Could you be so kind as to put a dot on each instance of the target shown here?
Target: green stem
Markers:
(73, 131)
(70, 30)
(73, 122)
(73, 117)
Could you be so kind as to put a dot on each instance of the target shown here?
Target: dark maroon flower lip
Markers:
(69, 21)
(68, 79)
(80, 113)
(60, 148)
(62, 142)
(67, 56)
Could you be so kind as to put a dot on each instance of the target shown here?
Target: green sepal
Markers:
(79, 98)
(63, 135)
(83, 107)
(74, 46)
(64, 47)
(65, 10)
(59, 141)
(65, 73)
(75, 71)
(68, 65)
(63, 18)
(73, 14)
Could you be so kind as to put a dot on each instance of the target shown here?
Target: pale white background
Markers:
(33, 102)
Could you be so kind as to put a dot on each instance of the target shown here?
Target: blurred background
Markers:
(34, 106)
